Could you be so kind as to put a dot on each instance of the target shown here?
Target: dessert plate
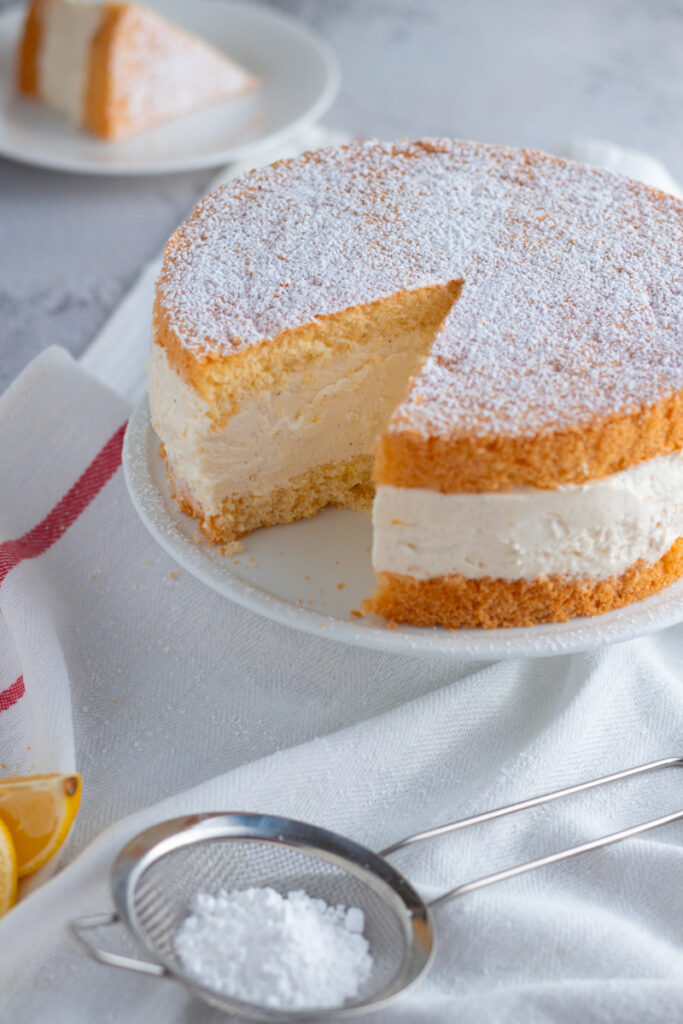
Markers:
(313, 575)
(299, 81)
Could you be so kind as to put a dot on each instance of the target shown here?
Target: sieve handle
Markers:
(519, 869)
(103, 956)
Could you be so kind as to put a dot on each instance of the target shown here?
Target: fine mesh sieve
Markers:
(157, 874)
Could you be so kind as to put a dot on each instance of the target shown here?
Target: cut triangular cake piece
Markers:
(117, 69)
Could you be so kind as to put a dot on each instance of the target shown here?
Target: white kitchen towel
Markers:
(631, 162)
(181, 700)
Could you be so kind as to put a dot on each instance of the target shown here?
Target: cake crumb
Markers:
(340, 586)
(233, 547)
(356, 614)
(172, 575)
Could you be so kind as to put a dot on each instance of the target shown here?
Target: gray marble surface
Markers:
(523, 72)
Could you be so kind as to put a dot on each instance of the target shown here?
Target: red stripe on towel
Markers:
(55, 524)
(67, 510)
(12, 694)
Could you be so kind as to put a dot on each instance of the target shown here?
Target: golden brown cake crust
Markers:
(27, 64)
(100, 113)
(588, 451)
(456, 602)
(99, 116)
(145, 70)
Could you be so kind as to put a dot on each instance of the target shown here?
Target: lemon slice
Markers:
(38, 810)
(8, 870)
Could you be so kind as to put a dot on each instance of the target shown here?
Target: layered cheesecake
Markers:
(484, 343)
(118, 69)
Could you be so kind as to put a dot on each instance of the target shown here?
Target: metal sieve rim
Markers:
(378, 874)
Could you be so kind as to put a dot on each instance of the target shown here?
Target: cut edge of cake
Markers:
(369, 352)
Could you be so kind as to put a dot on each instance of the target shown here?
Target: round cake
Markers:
(484, 344)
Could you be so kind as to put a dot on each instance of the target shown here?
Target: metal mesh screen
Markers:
(164, 892)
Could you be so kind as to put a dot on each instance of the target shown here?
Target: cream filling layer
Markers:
(597, 529)
(68, 27)
(324, 414)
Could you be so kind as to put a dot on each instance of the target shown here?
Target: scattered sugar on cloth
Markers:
(290, 951)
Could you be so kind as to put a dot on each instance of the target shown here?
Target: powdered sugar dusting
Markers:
(572, 303)
(261, 947)
(161, 71)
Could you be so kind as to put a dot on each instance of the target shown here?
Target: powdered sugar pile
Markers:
(289, 951)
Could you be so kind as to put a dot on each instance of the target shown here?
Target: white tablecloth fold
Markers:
(171, 694)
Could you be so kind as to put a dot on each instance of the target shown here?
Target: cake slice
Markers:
(118, 69)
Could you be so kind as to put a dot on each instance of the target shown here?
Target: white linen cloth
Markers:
(171, 699)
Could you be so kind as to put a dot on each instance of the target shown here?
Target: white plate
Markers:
(310, 575)
(299, 81)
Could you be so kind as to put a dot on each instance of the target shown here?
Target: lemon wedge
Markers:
(38, 811)
(8, 870)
